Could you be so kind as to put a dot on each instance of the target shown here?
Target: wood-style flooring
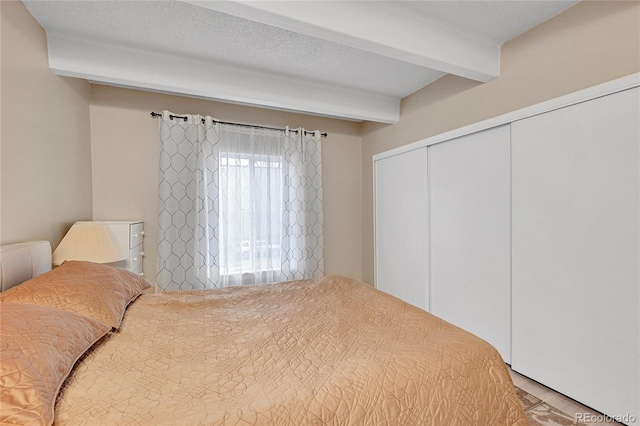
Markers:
(558, 400)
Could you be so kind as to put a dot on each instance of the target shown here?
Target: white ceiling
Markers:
(348, 59)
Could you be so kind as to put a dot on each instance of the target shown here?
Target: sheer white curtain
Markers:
(251, 187)
(238, 205)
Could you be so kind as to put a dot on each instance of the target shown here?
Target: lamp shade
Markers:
(90, 241)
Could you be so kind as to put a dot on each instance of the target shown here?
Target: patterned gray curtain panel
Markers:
(237, 205)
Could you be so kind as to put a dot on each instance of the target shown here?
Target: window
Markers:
(238, 205)
(250, 219)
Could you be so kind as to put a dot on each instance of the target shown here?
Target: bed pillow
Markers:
(85, 288)
(38, 347)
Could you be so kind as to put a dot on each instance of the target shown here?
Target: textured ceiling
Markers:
(186, 30)
(498, 20)
(88, 38)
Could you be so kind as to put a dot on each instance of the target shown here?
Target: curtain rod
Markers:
(171, 116)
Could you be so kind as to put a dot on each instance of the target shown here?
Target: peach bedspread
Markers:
(314, 352)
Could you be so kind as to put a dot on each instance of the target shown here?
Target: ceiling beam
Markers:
(376, 27)
(114, 65)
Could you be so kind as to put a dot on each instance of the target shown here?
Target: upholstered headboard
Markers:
(23, 261)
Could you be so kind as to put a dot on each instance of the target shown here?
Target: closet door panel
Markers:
(401, 217)
(576, 251)
(470, 208)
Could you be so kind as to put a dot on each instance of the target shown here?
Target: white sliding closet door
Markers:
(401, 226)
(470, 202)
(576, 251)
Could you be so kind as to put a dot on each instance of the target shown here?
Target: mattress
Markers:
(314, 352)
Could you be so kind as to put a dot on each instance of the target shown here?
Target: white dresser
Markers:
(130, 236)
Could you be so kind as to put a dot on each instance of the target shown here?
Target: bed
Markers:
(313, 352)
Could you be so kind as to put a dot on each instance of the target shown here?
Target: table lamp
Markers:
(89, 241)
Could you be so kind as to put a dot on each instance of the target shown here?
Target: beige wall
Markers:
(590, 43)
(46, 153)
(124, 143)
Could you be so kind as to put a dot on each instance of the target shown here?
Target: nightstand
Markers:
(130, 236)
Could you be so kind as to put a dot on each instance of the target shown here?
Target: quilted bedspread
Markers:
(316, 352)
